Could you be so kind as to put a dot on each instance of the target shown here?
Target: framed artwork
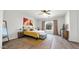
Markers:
(27, 21)
(27, 24)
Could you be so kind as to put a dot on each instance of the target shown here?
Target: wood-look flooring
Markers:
(61, 43)
(51, 42)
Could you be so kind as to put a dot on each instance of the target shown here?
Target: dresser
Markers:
(66, 35)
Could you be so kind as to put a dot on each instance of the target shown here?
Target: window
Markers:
(48, 26)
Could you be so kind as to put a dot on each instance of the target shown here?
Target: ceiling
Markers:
(35, 13)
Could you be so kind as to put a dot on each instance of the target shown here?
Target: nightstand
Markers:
(66, 34)
(20, 34)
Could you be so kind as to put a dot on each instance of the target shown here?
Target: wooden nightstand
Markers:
(66, 34)
(20, 34)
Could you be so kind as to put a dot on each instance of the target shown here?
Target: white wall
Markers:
(72, 18)
(1, 18)
(14, 21)
(61, 21)
(67, 19)
(38, 23)
(74, 26)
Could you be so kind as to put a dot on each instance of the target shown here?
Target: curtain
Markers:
(55, 27)
(43, 25)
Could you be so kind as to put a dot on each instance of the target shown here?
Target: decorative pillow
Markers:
(28, 28)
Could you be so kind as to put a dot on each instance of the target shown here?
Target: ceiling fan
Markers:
(46, 12)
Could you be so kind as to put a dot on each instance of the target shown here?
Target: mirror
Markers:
(5, 30)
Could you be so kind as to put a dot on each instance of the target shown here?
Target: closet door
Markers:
(74, 26)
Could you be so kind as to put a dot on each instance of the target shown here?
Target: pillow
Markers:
(28, 28)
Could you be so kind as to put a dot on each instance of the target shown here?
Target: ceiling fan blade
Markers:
(48, 13)
(45, 10)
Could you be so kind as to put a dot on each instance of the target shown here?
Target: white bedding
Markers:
(40, 32)
(43, 35)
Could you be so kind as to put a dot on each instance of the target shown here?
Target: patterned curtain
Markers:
(55, 27)
(43, 25)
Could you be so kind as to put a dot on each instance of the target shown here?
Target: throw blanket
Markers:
(36, 34)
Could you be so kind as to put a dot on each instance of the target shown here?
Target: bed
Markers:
(36, 34)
